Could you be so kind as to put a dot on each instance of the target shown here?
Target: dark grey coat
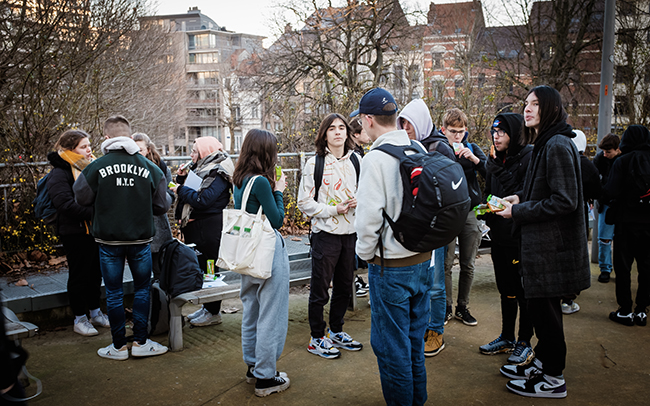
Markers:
(554, 255)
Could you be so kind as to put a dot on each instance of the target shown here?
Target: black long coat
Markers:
(554, 256)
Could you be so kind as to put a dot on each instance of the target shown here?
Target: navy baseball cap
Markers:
(376, 102)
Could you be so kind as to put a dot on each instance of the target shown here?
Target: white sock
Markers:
(77, 319)
(95, 312)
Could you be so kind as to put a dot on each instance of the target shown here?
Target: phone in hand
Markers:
(278, 172)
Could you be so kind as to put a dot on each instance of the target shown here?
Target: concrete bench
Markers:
(200, 297)
(16, 329)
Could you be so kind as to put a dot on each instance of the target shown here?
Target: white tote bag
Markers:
(247, 240)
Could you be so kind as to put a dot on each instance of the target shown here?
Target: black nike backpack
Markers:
(179, 269)
(436, 199)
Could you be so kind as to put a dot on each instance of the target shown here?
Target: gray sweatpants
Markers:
(469, 240)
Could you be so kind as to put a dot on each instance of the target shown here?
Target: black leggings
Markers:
(84, 274)
(206, 234)
(505, 260)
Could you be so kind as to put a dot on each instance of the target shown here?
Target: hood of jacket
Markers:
(56, 160)
(636, 137)
(417, 113)
(117, 143)
(511, 124)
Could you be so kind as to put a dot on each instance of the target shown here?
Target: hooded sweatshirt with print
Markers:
(126, 190)
(338, 185)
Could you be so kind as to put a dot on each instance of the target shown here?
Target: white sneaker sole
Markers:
(273, 389)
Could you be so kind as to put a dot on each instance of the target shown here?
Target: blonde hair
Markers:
(153, 154)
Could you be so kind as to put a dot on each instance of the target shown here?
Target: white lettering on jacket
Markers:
(116, 169)
(124, 182)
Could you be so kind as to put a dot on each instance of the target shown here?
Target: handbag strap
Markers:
(246, 194)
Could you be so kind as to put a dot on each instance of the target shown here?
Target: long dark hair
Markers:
(258, 156)
(70, 139)
(321, 138)
(551, 111)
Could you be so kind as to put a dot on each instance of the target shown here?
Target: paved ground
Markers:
(608, 364)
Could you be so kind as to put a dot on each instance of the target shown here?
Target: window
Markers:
(458, 83)
(481, 80)
(254, 110)
(414, 73)
(621, 105)
(627, 7)
(399, 75)
(268, 126)
(624, 74)
(437, 91)
(238, 139)
(202, 41)
(203, 78)
(237, 113)
(210, 57)
(437, 60)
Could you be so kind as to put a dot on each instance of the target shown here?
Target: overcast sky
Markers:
(252, 16)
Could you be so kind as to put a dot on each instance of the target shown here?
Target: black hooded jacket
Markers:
(505, 175)
(621, 191)
(70, 215)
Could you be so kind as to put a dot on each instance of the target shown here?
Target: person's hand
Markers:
(513, 199)
(507, 212)
(344, 207)
(281, 184)
(352, 203)
(467, 153)
(181, 172)
(174, 189)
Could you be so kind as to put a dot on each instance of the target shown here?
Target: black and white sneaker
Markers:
(522, 371)
(448, 315)
(361, 287)
(539, 386)
(250, 378)
(641, 318)
(265, 387)
(621, 317)
(462, 314)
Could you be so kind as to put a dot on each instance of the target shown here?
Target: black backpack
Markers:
(158, 310)
(43, 207)
(179, 269)
(435, 202)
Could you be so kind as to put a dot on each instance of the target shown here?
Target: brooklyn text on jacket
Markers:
(125, 169)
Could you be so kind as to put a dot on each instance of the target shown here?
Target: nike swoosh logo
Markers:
(456, 185)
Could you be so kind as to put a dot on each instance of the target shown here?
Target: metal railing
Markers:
(7, 187)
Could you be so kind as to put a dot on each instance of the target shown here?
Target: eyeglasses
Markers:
(454, 132)
(497, 133)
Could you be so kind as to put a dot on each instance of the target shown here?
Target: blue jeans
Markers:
(399, 303)
(438, 294)
(112, 265)
(605, 232)
(266, 314)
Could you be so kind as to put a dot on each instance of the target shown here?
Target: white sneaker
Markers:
(84, 327)
(111, 352)
(206, 319)
(100, 320)
(570, 308)
(196, 314)
(148, 349)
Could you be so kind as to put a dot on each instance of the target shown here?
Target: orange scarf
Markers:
(77, 164)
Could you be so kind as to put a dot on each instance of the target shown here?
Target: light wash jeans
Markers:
(111, 261)
(605, 232)
(438, 294)
(266, 314)
(399, 303)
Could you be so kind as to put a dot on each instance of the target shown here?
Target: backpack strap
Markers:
(318, 174)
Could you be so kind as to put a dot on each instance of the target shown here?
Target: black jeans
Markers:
(505, 260)
(332, 260)
(84, 273)
(632, 241)
(546, 315)
(206, 234)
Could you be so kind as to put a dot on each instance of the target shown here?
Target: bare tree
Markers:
(632, 56)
